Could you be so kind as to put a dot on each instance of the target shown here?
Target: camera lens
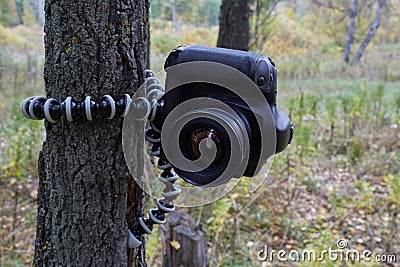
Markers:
(205, 137)
(211, 137)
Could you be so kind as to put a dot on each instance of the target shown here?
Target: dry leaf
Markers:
(175, 244)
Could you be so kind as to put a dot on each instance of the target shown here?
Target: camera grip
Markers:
(284, 130)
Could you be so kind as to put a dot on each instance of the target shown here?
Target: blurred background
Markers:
(340, 177)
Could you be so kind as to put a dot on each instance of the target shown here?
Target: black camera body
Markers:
(262, 72)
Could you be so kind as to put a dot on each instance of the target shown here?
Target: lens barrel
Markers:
(213, 146)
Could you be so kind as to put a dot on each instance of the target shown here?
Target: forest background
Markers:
(339, 179)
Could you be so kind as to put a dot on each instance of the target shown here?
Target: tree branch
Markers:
(374, 27)
(329, 5)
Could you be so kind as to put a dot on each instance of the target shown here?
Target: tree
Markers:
(234, 25)
(351, 30)
(261, 21)
(37, 6)
(209, 12)
(92, 48)
(373, 28)
(357, 15)
(8, 13)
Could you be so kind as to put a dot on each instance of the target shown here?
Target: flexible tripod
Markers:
(39, 107)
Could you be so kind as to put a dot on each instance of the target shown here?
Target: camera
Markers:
(243, 127)
(216, 120)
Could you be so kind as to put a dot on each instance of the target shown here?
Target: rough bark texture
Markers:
(374, 27)
(92, 48)
(350, 31)
(183, 242)
(234, 26)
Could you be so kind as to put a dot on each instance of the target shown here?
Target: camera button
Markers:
(261, 81)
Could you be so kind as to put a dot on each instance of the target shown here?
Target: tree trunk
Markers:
(93, 48)
(257, 25)
(374, 27)
(20, 11)
(234, 26)
(350, 31)
(183, 242)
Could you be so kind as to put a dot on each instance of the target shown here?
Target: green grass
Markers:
(335, 87)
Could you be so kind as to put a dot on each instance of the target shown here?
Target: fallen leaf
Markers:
(175, 244)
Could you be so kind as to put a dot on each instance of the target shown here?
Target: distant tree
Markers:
(209, 12)
(234, 25)
(19, 10)
(261, 18)
(29, 16)
(197, 13)
(357, 13)
(9, 13)
(156, 9)
(38, 8)
(372, 30)
(87, 199)
(351, 30)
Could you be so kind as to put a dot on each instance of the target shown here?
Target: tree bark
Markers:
(350, 31)
(92, 48)
(374, 27)
(234, 25)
